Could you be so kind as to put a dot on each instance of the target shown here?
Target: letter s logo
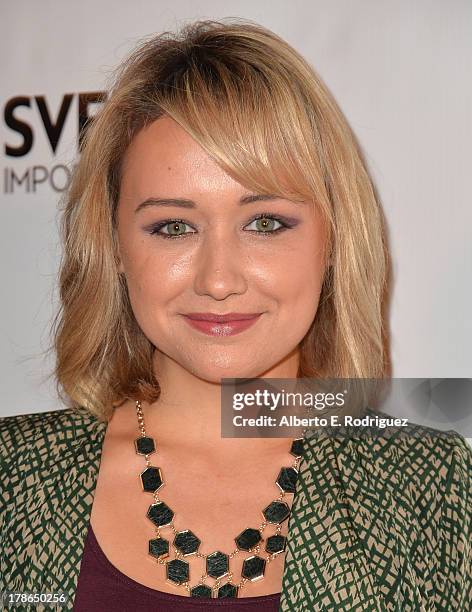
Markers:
(18, 126)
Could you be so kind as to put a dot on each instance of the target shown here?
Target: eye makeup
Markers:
(285, 223)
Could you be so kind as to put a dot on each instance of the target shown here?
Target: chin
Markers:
(215, 372)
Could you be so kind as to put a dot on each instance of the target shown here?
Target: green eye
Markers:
(265, 224)
(175, 228)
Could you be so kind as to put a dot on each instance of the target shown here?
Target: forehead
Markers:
(163, 155)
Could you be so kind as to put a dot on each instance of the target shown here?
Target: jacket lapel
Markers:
(327, 566)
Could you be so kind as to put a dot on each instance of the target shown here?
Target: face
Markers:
(201, 249)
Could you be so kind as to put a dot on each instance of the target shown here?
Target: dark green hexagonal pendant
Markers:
(297, 447)
(248, 538)
(287, 479)
(151, 479)
(217, 564)
(159, 548)
(228, 590)
(177, 571)
(253, 568)
(201, 590)
(160, 514)
(275, 544)
(186, 542)
(276, 512)
(144, 445)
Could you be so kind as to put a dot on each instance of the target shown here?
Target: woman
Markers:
(221, 178)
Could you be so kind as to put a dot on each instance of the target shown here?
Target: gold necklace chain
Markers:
(186, 544)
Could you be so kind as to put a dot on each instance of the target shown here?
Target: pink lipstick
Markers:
(221, 325)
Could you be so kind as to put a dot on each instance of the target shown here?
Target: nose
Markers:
(220, 269)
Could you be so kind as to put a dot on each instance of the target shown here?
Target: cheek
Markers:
(302, 308)
(153, 284)
(296, 280)
(155, 275)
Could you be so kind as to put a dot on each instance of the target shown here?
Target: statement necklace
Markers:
(186, 543)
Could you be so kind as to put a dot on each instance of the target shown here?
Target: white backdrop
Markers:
(399, 70)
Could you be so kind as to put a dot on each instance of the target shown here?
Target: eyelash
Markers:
(285, 225)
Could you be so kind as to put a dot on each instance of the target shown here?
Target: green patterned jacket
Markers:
(378, 524)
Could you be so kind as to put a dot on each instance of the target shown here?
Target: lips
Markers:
(221, 325)
(222, 318)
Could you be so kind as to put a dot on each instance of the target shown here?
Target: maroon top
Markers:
(102, 586)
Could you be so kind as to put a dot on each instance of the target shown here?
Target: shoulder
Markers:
(31, 445)
(413, 450)
(20, 433)
(420, 467)
(423, 455)
(427, 472)
(423, 473)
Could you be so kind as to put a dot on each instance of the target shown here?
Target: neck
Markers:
(188, 410)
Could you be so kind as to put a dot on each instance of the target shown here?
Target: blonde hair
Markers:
(258, 108)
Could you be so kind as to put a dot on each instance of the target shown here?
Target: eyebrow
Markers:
(184, 203)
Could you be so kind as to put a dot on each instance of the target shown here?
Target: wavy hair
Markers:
(264, 115)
